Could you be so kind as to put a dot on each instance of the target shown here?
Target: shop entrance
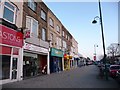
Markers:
(30, 65)
(55, 64)
(9, 68)
(14, 68)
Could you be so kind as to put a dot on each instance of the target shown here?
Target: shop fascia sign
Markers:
(11, 37)
(56, 52)
(32, 47)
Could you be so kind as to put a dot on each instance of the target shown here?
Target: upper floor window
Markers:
(43, 34)
(58, 43)
(68, 38)
(64, 45)
(58, 28)
(32, 25)
(32, 5)
(43, 15)
(9, 12)
(63, 33)
(51, 22)
(51, 36)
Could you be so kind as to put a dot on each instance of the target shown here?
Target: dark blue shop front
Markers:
(56, 56)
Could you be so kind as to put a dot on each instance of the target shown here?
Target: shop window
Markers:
(9, 12)
(5, 60)
(30, 65)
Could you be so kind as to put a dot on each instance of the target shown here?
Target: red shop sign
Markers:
(5, 50)
(10, 37)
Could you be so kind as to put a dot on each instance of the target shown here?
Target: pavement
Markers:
(80, 77)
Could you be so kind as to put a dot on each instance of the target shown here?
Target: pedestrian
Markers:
(58, 69)
(101, 72)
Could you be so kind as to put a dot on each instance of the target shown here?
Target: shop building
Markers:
(35, 60)
(66, 47)
(11, 52)
(11, 42)
(67, 62)
(56, 61)
(36, 46)
(75, 52)
(54, 36)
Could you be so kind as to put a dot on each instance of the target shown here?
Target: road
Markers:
(80, 77)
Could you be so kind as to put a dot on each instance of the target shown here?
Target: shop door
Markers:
(14, 69)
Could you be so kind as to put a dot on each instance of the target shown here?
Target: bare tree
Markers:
(113, 49)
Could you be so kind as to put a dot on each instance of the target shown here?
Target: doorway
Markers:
(14, 68)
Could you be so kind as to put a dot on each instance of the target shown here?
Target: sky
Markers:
(77, 17)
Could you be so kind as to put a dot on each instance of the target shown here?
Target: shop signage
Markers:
(32, 47)
(94, 57)
(10, 37)
(27, 34)
(56, 52)
(5, 50)
(67, 57)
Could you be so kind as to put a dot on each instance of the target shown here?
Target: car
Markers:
(113, 70)
(118, 75)
(99, 64)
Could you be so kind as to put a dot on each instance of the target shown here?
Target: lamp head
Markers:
(94, 21)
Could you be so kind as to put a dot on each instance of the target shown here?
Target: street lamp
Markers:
(95, 51)
(94, 21)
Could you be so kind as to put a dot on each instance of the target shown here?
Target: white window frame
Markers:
(31, 26)
(60, 43)
(43, 33)
(58, 28)
(64, 44)
(68, 38)
(57, 42)
(51, 22)
(2, 6)
(43, 15)
(51, 38)
(32, 5)
(63, 33)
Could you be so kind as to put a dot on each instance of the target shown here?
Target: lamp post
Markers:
(95, 51)
(94, 21)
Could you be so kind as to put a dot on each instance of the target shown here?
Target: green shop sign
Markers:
(56, 52)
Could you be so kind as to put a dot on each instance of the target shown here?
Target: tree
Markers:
(113, 49)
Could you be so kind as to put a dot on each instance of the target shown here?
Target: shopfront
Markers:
(76, 60)
(56, 56)
(71, 63)
(35, 61)
(67, 61)
(10, 54)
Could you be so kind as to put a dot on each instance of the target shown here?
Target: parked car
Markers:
(118, 75)
(99, 64)
(113, 70)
